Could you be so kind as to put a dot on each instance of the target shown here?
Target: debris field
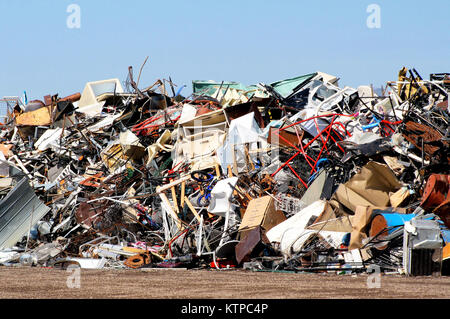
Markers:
(300, 175)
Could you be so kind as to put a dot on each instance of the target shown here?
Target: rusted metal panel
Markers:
(436, 191)
(249, 245)
(71, 98)
(40, 117)
(285, 137)
(443, 105)
(435, 197)
(88, 215)
(443, 211)
(236, 111)
(415, 133)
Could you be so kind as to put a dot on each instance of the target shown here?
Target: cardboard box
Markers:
(370, 187)
(260, 212)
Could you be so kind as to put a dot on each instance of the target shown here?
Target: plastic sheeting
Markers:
(242, 130)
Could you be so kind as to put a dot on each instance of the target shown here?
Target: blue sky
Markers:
(246, 41)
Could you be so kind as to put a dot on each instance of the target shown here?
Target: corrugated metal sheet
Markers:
(16, 210)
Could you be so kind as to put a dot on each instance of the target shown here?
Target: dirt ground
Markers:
(43, 283)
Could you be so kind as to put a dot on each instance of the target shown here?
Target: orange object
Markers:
(379, 224)
(6, 149)
(446, 252)
(203, 110)
(436, 191)
(72, 98)
(137, 261)
(93, 181)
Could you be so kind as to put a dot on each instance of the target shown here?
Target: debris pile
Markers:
(297, 175)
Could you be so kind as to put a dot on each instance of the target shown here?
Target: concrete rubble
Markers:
(299, 175)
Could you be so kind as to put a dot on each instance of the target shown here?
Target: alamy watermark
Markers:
(374, 19)
(374, 279)
(74, 19)
(74, 279)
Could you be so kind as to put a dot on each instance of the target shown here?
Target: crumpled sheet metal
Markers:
(19, 211)
(421, 135)
(436, 196)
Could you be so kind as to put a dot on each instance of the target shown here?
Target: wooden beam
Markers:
(171, 211)
(183, 191)
(161, 189)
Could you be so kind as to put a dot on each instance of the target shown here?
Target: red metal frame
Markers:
(324, 139)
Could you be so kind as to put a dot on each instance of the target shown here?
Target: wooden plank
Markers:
(217, 170)
(248, 158)
(230, 171)
(183, 191)
(174, 199)
(171, 211)
(161, 189)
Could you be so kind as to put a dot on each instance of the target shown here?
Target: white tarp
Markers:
(298, 222)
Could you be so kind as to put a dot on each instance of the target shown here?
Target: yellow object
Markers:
(406, 91)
